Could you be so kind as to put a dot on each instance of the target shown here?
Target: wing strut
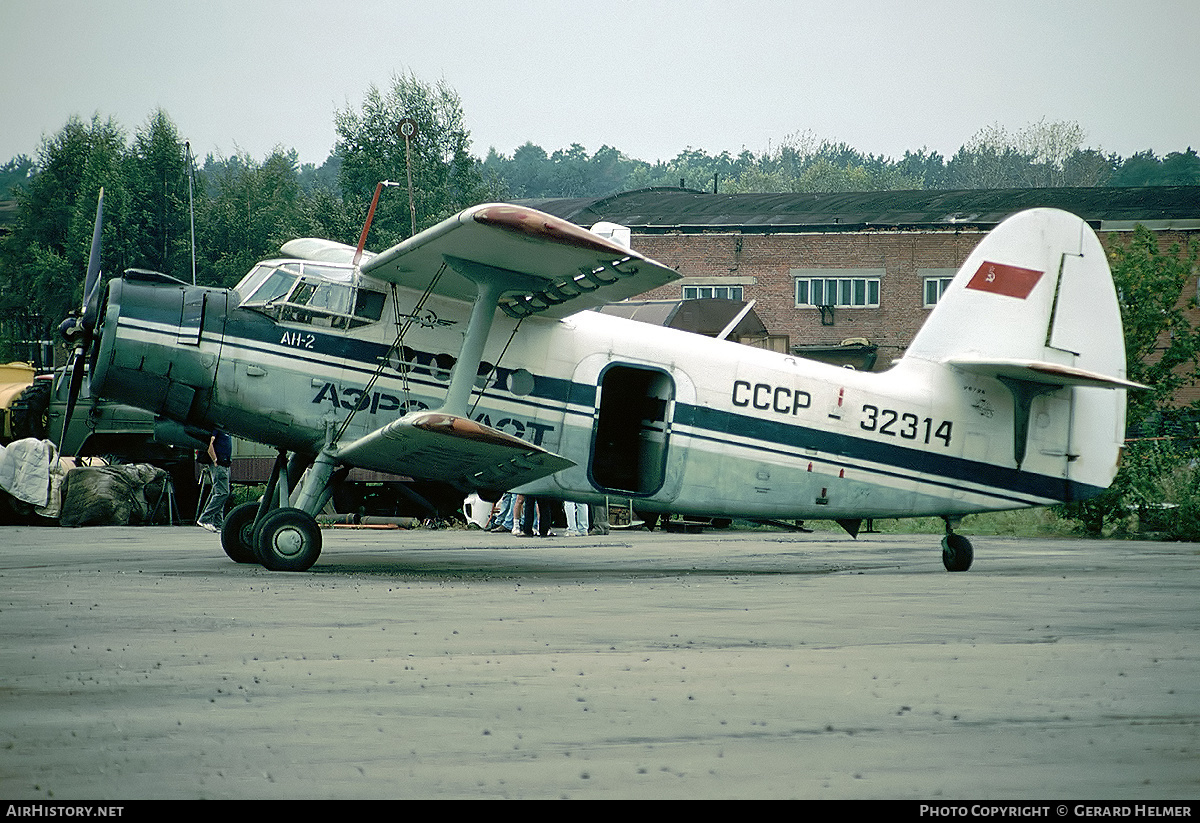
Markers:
(394, 348)
(490, 282)
(466, 368)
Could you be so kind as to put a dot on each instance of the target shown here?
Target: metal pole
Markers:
(191, 210)
(412, 205)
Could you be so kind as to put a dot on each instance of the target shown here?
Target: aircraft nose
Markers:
(151, 353)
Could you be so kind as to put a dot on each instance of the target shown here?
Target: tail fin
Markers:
(1034, 307)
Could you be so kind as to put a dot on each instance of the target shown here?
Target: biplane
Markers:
(469, 355)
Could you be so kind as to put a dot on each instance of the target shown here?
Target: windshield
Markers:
(311, 294)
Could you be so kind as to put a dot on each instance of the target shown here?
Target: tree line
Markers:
(1038, 156)
(243, 208)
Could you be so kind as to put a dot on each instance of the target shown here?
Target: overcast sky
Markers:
(648, 77)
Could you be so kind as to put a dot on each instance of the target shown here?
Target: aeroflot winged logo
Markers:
(1011, 281)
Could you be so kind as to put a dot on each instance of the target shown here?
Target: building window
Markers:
(723, 292)
(935, 287)
(837, 291)
(936, 282)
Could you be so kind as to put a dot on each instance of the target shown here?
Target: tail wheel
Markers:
(237, 535)
(957, 553)
(288, 540)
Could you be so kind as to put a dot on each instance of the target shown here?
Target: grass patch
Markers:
(1039, 522)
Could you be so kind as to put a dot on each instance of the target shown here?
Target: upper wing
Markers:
(544, 265)
(531, 263)
(439, 446)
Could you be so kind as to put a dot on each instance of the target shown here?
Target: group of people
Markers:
(529, 515)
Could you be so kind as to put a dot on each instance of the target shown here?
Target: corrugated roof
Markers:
(670, 209)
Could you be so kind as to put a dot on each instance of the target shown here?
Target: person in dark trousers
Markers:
(539, 507)
(220, 452)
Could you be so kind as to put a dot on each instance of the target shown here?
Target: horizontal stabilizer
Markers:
(439, 446)
(1048, 374)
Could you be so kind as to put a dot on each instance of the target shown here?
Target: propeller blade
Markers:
(79, 361)
(87, 319)
(91, 306)
(92, 282)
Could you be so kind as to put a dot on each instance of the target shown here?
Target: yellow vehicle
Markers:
(24, 403)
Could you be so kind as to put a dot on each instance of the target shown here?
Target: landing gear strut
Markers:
(957, 553)
(276, 535)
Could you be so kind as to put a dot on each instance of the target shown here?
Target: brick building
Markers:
(825, 268)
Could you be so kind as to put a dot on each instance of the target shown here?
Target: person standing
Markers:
(536, 514)
(220, 452)
(599, 515)
(577, 518)
(502, 516)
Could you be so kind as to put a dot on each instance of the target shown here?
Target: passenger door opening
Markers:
(632, 430)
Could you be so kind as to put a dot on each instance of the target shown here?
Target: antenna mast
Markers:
(408, 130)
(191, 207)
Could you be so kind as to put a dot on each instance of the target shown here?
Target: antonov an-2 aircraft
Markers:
(466, 354)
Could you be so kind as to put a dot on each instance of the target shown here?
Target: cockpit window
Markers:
(277, 284)
(310, 293)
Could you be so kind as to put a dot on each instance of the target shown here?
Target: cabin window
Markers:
(275, 285)
(368, 304)
(253, 280)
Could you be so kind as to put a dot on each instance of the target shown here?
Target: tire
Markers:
(30, 411)
(288, 540)
(957, 553)
(237, 535)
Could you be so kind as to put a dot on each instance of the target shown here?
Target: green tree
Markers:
(570, 172)
(1146, 169)
(14, 174)
(250, 209)
(160, 225)
(445, 177)
(1162, 346)
(44, 260)
(1162, 350)
(526, 174)
(927, 168)
(1041, 155)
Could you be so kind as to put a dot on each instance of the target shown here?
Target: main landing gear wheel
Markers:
(288, 540)
(957, 553)
(237, 535)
